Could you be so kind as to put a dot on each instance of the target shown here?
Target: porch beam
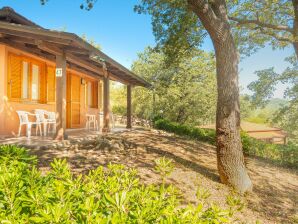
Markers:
(50, 51)
(111, 71)
(106, 101)
(50, 48)
(74, 50)
(30, 50)
(61, 97)
(84, 71)
(83, 63)
(128, 107)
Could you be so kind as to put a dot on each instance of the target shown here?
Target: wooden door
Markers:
(73, 101)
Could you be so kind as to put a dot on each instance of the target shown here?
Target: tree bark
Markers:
(295, 44)
(295, 27)
(230, 159)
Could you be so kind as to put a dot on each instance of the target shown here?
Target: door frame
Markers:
(69, 123)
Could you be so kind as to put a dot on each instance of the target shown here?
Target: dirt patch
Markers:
(274, 198)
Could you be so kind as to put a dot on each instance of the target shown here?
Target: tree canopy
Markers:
(287, 116)
(185, 92)
(257, 23)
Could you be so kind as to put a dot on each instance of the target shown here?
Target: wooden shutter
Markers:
(95, 94)
(75, 100)
(43, 84)
(14, 77)
(51, 84)
(100, 95)
(68, 100)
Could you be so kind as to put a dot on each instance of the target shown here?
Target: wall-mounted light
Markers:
(83, 81)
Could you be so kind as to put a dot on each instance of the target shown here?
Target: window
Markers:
(51, 84)
(35, 82)
(89, 96)
(25, 80)
(92, 94)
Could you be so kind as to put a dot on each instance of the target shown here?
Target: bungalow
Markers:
(260, 131)
(54, 71)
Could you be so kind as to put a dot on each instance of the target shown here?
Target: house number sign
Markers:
(58, 72)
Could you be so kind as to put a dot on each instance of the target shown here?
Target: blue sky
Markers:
(123, 33)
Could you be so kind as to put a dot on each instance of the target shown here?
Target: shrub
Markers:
(119, 110)
(200, 134)
(282, 154)
(164, 167)
(112, 195)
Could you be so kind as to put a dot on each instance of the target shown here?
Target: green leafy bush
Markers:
(111, 195)
(164, 167)
(282, 154)
(200, 134)
(119, 110)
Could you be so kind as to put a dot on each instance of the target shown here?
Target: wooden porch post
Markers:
(106, 101)
(61, 96)
(128, 107)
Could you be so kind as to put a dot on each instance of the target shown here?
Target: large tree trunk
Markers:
(295, 27)
(230, 159)
(295, 44)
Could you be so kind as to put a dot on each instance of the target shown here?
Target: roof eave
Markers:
(80, 42)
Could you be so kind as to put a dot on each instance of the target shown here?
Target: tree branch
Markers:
(213, 23)
(261, 24)
(277, 37)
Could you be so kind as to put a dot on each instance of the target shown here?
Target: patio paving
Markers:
(40, 142)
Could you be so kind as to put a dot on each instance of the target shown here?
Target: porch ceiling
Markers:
(80, 55)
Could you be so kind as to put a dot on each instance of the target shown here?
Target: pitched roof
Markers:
(254, 127)
(9, 15)
(19, 32)
(258, 131)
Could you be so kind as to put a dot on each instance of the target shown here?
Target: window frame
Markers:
(28, 80)
(31, 62)
(93, 89)
(38, 81)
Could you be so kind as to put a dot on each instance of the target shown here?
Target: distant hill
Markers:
(263, 115)
(275, 104)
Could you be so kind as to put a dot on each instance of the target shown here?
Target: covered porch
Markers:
(47, 142)
(73, 77)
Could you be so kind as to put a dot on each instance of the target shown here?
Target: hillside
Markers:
(273, 199)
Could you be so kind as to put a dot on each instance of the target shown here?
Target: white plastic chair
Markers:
(91, 120)
(51, 120)
(24, 120)
(43, 120)
(47, 118)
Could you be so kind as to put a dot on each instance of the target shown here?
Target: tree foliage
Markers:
(287, 116)
(260, 22)
(184, 92)
(176, 28)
